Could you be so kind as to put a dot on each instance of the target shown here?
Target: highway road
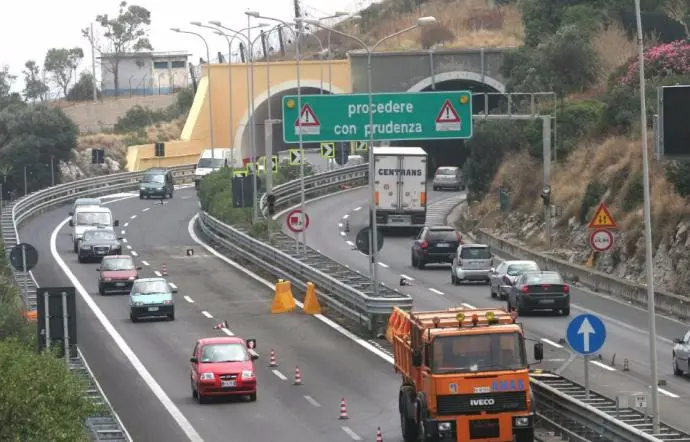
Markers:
(144, 367)
(627, 336)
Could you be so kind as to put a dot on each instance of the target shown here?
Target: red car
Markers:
(117, 274)
(223, 366)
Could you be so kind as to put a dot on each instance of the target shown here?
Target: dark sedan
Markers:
(540, 291)
(435, 245)
(97, 243)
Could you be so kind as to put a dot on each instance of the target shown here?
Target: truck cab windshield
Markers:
(93, 219)
(481, 352)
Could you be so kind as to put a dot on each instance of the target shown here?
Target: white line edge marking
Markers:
(146, 209)
(146, 376)
(188, 299)
(279, 374)
(469, 306)
(157, 273)
(438, 292)
(311, 400)
(668, 393)
(146, 263)
(132, 217)
(207, 314)
(351, 433)
(602, 365)
(385, 266)
(551, 343)
(134, 253)
(409, 278)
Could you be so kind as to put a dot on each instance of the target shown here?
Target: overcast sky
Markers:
(28, 28)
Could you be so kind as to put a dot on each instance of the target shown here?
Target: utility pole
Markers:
(92, 39)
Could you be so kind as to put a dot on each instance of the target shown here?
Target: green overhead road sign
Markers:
(397, 116)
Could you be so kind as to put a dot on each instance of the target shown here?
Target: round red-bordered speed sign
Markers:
(601, 240)
(297, 221)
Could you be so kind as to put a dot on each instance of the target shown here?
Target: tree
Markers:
(7, 97)
(125, 33)
(62, 64)
(83, 89)
(679, 10)
(34, 86)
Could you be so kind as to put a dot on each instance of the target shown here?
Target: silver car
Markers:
(681, 355)
(472, 262)
(502, 278)
(448, 178)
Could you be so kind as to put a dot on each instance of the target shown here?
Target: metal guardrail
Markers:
(565, 404)
(668, 303)
(103, 426)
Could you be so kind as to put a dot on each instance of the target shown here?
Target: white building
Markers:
(145, 73)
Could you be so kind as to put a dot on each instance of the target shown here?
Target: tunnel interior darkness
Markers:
(261, 115)
(453, 152)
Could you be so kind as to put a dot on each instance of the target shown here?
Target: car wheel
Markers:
(80, 259)
(252, 397)
(101, 290)
(453, 278)
(491, 290)
(194, 393)
(677, 371)
(75, 247)
(171, 195)
(565, 311)
(521, 311)
(413, 261)
(420, 264)
(171, 316)
(133, 318)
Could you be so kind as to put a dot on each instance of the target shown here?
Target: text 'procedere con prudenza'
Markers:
(389, 128)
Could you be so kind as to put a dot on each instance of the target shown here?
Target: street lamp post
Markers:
(208, 89)
(373, 236)
(649, 270)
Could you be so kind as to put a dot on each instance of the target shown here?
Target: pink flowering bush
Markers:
(659, 61)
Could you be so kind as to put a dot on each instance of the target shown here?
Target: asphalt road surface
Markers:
(627, 336)
(144, 368)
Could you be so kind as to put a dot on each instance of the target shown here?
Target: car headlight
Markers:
(206, 377)
(444, 426)
(131, 278)
(84, 247)
(247, 374)
(138, 304)
(521, 421)
(107, 279)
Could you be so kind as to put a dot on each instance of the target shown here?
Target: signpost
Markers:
(297, 221)
(601, 240)
(57, 320)
(24, 257)
(397, 116)
(586, 335)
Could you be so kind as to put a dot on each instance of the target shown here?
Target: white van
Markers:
(90, 217)
(210, 161)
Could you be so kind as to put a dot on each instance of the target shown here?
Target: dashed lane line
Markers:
(602, 365)
(126, 224)
(123, 232)
(311, 400)
(350, 243)
(227, 331)
(346, 216)
(129, 247)
(469, 306)
(132, 217)
(172, 285)
(343, 233)
(146, 209)
(404, 276)
(351, 433)
(188, 299)
(146, 263)
(438, 292)
(551, 343)
(279, 374)
(668, 393)
(157, 273)
(357, 209)
(134, 253)
(124, 240)
(207, 314)
(385, 266)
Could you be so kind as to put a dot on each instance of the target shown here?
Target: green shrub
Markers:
(678, 174)
(634, 193)
(138, 117)
(592, 197)
(577, 121)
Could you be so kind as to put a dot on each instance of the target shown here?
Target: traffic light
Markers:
(271, 201)
(546, 194)
(160, 149)
(97, 156)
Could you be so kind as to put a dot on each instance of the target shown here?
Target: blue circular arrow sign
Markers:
(586, 334)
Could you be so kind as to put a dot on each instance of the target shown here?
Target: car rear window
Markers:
(517, 269)
(446, 171)
(443, 235)
(475, 253)
(543, 278)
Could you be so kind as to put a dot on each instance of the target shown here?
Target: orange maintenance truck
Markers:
(465, 375)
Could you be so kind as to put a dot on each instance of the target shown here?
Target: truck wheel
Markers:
(524, 435)
(408, 425)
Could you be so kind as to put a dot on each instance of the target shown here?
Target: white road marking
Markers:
(279, 374)
(207, 314)
(602, 365)
(385, 266)
(126, 224)
(146, 376)
(357, 209)
(312, 401)
(551, 343)
(438, 292)
(157, 273)
(350, 243)
(346, 216)
(134, 253)
(172, 285)
(146, 209)
(469, 306)
(668, 393)
(351, 433)
(409, 278)
(227, 331)
(188, 299)
(129, 247)
(343, 233)
(146, 263)
(340, 225)
(124, 240)
(132, 217)
(123, 232)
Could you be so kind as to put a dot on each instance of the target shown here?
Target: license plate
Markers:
(153, 309)
(546, 301)
(228, 384)
(119, 284)
(100, 252)
(399, 219)
(443, 244)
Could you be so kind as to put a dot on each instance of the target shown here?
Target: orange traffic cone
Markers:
(272, 362)
(379, 436)
(298, 376)
(164, 270)
(343, 409)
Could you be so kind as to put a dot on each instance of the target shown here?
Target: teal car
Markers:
(151, 298)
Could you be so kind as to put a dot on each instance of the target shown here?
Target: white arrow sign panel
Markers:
(586, 331)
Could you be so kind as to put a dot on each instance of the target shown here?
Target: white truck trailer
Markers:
(400, 186)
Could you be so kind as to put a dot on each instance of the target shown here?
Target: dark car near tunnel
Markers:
(97, 243)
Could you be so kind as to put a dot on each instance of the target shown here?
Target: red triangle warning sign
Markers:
(307, 123)
(448, 118)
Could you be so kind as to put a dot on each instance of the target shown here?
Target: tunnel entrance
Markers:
(271, 108)
(453, 152)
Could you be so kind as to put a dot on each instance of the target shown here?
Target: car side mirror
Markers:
(416, 358)
(71, 214)
(138, 268)
(539, 351)
(71, 223)
(678, 341)
(116, 223)
(194, 360)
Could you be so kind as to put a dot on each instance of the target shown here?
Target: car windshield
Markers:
(472, 353)
(87, 202)
(542, 278)
(442, 235)
(105, 235)
(151, 287)
(519, 269)
(112, 264)
(475, 253)
(93, 219)
(211, 163)
(224, 353)
(445, 171)
(151, 178)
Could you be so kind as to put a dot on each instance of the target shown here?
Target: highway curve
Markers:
(333, 365)
(432, 289)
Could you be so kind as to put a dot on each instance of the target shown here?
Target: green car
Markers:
(157, 183)
(151, 298)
